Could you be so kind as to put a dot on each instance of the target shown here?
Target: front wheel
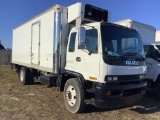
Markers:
(74, 95)
(158, 90)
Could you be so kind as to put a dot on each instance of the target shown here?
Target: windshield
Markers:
(117, 41)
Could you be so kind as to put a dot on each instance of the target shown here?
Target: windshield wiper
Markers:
(115, 57)
(119, 57)
(133, 54)
(140, 56)
(130, 54)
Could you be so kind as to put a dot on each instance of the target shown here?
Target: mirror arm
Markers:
(90, 52)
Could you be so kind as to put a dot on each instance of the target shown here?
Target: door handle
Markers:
(78, 59)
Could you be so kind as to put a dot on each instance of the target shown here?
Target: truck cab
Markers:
(150, 38)
(152, 52)
(111, 61)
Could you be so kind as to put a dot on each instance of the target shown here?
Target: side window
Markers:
(156, 52)
(72, 42)
(91, 40)
(147, 50)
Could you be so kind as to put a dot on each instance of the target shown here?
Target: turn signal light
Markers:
(58, 8)
(92, 78)
(108, 93)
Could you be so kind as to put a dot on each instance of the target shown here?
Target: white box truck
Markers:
(152, 51)
(147, 32)
(90, 60)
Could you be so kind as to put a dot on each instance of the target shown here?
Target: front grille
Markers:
(128, 77)
(131, 92)
(125, 79)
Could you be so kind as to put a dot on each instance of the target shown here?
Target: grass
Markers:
(37, 102)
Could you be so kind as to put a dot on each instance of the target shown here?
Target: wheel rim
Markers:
(71, 95)
(21, 75)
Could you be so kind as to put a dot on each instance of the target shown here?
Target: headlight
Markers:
(141, 76)
(112, 79)
(109, 79)
(115, 78)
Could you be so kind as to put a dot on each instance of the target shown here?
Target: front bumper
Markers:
(120, 95)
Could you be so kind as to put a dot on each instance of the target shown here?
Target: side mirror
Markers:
(81, 38)
(81, 46)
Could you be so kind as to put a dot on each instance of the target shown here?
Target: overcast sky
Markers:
(15, 12)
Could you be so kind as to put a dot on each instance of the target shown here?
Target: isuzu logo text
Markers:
(131, 62)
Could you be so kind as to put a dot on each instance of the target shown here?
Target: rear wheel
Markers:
(31, 76)
(158, 90)
(74, 95)
(24, 75)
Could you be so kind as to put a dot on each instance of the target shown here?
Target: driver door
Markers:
(87, 60)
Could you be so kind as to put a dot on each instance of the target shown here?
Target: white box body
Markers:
(157, 36)
(32, 44)
(146, 32)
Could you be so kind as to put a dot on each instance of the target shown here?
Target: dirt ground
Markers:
(37, 102)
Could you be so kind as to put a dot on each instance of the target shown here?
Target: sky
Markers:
(16, 12)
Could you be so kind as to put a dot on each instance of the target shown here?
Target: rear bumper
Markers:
(120, 95)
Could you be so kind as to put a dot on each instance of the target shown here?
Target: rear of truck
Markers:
(35, 43)
(38, 45)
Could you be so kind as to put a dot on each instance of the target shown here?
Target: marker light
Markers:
(141, 76)
(58, 8)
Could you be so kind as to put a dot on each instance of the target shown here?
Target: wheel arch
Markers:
(156, 75)
(71, 74)
(156, 81)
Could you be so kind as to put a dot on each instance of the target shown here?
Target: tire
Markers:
(157, 90)
(31, 77)
(31, 80)
(74, 95)
(23, 76)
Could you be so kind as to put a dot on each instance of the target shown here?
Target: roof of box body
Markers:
(45, 11)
